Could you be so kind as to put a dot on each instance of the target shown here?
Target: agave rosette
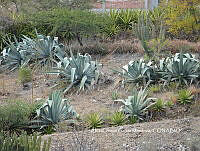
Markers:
(137, 104)
(137, 71)
(182, 68)
(79, 70)
(55, 110)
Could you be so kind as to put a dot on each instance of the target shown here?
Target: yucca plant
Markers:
(137, 104)
(118, 118)
(54, 110)
(78, 71)
(94, 120)
(138, 71)
(182, 68)
(23, 143)
(185, 96)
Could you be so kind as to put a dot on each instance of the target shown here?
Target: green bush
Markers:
(68, 24)
(15, 115)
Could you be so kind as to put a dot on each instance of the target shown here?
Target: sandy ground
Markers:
(167, 135)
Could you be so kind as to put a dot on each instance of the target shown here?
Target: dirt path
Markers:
(167, 135)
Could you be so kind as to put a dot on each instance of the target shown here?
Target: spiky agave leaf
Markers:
(14, 57)
(79, 70)
(137, 71)
(45, 50)
(182, 68)
(137, 104)
(55, 110)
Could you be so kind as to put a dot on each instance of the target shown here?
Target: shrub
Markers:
(68, 24)
(183, 18)
(15, 115)
(94, 120)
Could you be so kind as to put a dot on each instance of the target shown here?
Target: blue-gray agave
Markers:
(79, 70)
(44, 49)
(13, 57)
(55, 110)
(182, 68)
(137, 71)
(137, 104)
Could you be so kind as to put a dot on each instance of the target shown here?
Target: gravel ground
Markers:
(167, 135)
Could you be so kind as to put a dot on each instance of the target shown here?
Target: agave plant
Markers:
(55, 110)
(13, 57)
(80, 71)
(137, 71)
(137, 104)
(44, 49)
(182, 68)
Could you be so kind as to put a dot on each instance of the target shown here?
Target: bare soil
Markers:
(166, 135)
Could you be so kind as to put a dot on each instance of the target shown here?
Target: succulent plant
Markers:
(137, 104)
(185, 96)
(118, 118)
(13, 57)
(182, 68)
(94, 120)
(55, 110)
(44, 49)
(137, 71)
(79, 70)
(159, 106)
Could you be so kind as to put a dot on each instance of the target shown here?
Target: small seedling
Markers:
(94, 120)
(169, 103)
(158, 106)
(155, 89)
(115, 95)
(132, 119)
(185, 96)
(118, 118)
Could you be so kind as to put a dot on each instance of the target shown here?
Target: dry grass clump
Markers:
(177, 45)
(125, 46)
(94, 48)
(104, 48)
